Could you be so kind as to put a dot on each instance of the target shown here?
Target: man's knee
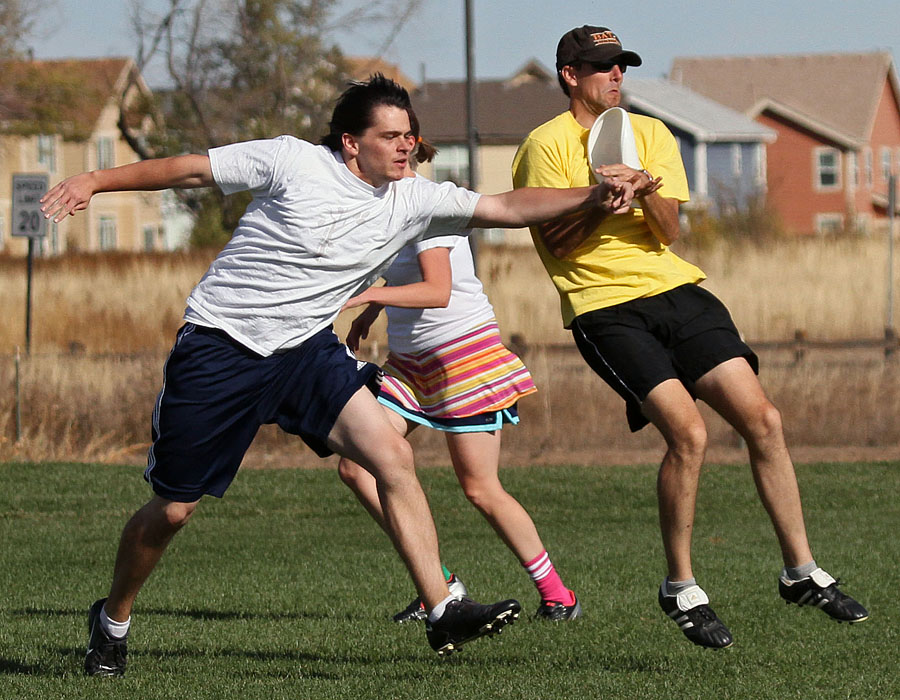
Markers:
(392, 460)
(765, 424)
(690, 440)
(172, 515)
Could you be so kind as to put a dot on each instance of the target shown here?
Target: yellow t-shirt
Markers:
(622, 260)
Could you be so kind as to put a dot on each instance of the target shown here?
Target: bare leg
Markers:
(476, 458)
(144, 539)
(672, 410)
(733, 391)
(364, 434)
(362, 483)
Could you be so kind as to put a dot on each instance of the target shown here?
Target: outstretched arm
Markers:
(74, 193)
(532, 205)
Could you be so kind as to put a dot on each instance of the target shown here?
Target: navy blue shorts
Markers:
(680, 334)
(217, 393)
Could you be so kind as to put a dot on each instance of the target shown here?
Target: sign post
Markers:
(892, 206)
(28, 221)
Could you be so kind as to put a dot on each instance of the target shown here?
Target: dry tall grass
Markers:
(828, 288)
(102, 327)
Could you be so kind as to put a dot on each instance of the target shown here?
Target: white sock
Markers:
(798, 573)
(672, 588)
(113, 628)
(438, 609)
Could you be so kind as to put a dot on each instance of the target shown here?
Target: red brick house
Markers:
(837, 117)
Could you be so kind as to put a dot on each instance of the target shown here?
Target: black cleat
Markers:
(106, 656)
(555, 611)
(464, 621)
(819, 589)
(416, 610)
(691, 612)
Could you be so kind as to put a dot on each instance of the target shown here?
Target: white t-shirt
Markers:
(417, 330)
(314, 235)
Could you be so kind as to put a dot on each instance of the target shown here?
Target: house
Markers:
(505, 111)
(837, 120)
(724, 151)
(62, 117)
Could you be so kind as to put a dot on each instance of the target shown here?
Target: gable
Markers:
(58, 97)
(840, 91)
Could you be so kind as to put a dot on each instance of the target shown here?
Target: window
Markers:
(737, 160)
(829, 224)
(53, 238)
(106, 155)
(107, 233)
(885, 163)
(149, 237)
(853, 168)
(452, 163)
(46, 152)
(870, 169)
(760, 163)
(828, 168)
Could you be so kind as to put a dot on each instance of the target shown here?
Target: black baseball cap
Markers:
(589, 44)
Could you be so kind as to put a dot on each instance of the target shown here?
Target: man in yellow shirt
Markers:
(643, 323)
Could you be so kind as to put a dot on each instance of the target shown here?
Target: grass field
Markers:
(284, 589)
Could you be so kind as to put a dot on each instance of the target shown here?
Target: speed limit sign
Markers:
(27, 218)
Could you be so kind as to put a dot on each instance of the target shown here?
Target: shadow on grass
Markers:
(8, 667)
(194, 614)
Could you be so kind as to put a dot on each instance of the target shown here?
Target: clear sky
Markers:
(510, 32)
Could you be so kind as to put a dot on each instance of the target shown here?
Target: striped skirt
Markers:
(469, 384)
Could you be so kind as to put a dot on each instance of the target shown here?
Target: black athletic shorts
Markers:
(217, 393)
(679, 334)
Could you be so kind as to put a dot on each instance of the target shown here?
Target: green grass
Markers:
(284, 589)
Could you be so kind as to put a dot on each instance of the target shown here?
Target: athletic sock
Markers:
(113, 628)
(673, 588)
(547, 581)
(797, 573)
(447, 574)
(438, 609)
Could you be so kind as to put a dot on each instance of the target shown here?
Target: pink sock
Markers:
(547, 581)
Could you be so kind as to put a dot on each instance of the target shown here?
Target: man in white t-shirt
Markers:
(257, 345)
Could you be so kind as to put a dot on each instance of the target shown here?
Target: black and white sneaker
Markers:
(821, 590)
(464, 621)
(691, 612)
(106, 656)
(416, 609)
(555, 611)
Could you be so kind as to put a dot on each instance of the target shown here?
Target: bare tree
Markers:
(243, 69)
(19, 21)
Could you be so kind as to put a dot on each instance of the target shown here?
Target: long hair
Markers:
(354, 110)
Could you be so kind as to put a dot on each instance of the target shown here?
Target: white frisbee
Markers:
(611, 140)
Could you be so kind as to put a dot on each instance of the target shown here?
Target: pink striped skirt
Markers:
(468, 384)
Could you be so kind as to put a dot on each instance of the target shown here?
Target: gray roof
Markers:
(505, 110)
(834, 93)
(698, 115)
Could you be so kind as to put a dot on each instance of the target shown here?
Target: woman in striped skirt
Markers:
(448, 369)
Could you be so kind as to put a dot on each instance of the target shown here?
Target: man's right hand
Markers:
(71, 195)
(615, 196)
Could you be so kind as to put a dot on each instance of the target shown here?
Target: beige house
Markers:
(506, 111)
(62, 117)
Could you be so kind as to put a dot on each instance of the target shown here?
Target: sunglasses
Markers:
(604, 67)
